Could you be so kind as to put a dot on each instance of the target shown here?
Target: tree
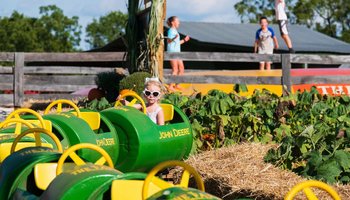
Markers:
(17, 33)
(52, 32)
(250, 11)
(107, 28)
(56, 31)
(329, 17)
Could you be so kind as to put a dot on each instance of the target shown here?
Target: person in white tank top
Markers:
(280, 10)
(282, 20)
(154, 113)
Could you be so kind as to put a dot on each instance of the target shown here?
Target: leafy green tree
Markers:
(106, 29)
(251, 10)
(56, 31)
(17, 33)
(52, 32)
(329, 17)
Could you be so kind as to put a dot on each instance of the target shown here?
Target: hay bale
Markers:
(240, 171)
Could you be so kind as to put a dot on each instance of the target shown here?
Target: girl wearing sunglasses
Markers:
(152, 93)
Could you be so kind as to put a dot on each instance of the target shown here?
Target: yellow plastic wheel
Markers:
(78, 161)
(188, 170)
(15, 114)
(18, 122)
(306, 188)
(59, 106)
(37, 132)
(133, 101)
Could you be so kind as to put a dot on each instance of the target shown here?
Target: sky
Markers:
(87, 10)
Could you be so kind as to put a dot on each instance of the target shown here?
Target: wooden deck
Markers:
(205, 80)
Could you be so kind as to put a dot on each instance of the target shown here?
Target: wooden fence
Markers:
(59, 81)
(54, 81)
(285, 59)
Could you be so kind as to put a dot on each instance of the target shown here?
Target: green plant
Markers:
(135, 82)
(315, 134)
(98, 105)
(220, 119)
(109, 83)
(95, 104)
(313, 130)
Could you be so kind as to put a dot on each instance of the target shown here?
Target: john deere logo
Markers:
(105, 142)
(174, 133)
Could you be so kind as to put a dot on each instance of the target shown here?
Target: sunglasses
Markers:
(149, 93)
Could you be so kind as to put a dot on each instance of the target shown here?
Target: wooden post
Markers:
(160, 52)
(18, 73)
(286, 78)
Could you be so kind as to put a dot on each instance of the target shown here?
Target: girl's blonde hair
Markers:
(156, 82)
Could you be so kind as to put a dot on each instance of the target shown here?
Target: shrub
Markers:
(109, 83)
(135, 82)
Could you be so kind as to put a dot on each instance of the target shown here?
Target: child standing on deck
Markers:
(174, 44)
(282, 20)
(265, 40)
(152, 93)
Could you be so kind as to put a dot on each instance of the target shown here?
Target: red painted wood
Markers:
(320, 72)
(331, 89)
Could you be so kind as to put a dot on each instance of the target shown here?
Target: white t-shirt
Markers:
(280, 10)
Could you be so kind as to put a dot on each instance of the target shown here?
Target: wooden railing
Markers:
(52, 80)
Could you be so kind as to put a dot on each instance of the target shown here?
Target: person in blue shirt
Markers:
(265, 41)
(174, 44)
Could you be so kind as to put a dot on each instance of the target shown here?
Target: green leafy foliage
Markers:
(220, 119)
(109, 83)
(57, 32)
(106, 29)
(316, 144)
(97, 105)
(51, 32)
(251, 10)
(135, 82)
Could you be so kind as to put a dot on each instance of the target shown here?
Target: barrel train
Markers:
(63, 155)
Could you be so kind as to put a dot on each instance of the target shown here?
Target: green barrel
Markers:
(182, 193)
(143, 144)
(80, 183)
(72, 130)
(17, 167)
